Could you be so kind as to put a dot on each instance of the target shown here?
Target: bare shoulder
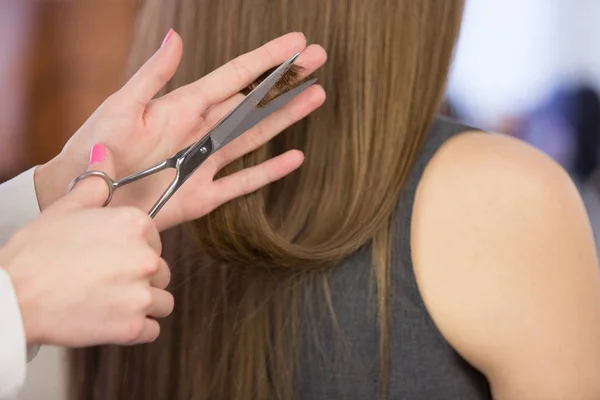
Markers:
(506, 264)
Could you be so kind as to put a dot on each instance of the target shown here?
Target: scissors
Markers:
(186, 161)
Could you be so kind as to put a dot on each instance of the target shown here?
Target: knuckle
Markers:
(289, 118)
(135, 220)
(144, 300)
(256, 138)
(149, 263)
(240, 69)
(267, 54)
(131, 331)
(124, 216)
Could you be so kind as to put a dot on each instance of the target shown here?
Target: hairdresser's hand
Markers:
(141, 131)
(87, 276)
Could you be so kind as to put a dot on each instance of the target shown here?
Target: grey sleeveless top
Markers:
(340, 360)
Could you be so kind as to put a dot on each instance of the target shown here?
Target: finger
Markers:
(162, 303)
(251, 179)
(149, 333)
(92, 191)
(310, 60)
(143, 228)
(155, 73)
(162, 277)
(151, 233)
(306, 102)
(236, 74)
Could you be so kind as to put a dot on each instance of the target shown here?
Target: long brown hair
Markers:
(241, 274)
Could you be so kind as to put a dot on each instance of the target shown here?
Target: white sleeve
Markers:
(18, 204)
(13, 358)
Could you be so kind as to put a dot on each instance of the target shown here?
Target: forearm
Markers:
(12, 342)
(18, 204)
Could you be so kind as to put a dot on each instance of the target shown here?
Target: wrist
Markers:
(27, 301)
(49, 183)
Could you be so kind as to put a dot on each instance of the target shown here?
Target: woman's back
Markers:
(340, 360)
(338, 344)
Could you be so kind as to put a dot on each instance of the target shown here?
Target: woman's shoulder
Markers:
(494, 184)
(493, 176)
(484, 155)
(504, 258)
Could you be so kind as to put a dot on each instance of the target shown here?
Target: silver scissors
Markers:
(185, 162)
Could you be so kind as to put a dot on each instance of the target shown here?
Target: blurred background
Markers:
(531, 69)
(526, 68)
(58, 61)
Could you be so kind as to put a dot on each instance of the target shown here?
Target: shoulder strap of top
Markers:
(413, 328)
(441, 130)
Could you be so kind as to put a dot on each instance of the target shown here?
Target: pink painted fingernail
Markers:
(97, 154)
(169, 34)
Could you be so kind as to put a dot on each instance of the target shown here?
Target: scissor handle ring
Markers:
(109, 182)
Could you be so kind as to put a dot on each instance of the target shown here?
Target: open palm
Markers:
(139, 131)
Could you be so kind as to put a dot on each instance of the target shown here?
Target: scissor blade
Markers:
(229, 122)
(261, 113)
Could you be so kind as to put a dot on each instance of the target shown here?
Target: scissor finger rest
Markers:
(107, 179)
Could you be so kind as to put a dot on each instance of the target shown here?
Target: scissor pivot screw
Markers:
(203, 150)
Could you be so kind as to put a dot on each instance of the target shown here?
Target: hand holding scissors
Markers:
(135, 129)
(186, 161)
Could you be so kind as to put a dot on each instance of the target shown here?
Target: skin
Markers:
(125, 295)
(494, 221)
(506, 263)
(141, 131)
(81, 282)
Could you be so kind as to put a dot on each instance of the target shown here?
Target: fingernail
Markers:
(97, 154)
(169, 34)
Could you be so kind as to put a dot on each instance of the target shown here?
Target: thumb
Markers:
(93, 191)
